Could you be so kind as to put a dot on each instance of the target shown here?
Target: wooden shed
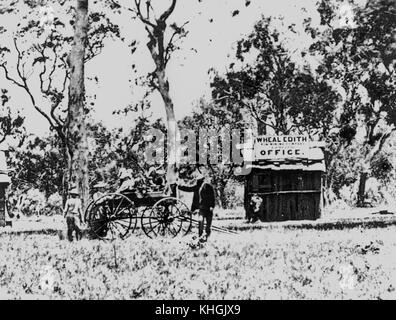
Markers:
(4, 183)
(285, 185)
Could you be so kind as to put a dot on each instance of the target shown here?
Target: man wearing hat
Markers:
(156, 177)
(127, 183)
(203, 202)
(73, 214)
(98, 190)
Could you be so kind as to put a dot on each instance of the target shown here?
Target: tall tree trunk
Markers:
(172, 129)
(160, 51)
(222, 196)
(262, 127)
(77, 133)
(362, 189)
(373, 152)
(66, 173)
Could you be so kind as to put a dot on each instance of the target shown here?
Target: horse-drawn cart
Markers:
(117, 215)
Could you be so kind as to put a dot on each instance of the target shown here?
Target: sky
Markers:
(208, 45)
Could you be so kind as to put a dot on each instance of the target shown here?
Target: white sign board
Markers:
(280, 147)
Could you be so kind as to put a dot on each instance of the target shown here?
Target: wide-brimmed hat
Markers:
(100, 185)
(74, 191)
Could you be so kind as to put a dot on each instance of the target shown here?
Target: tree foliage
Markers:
(273, 89)
(218, 122)
(358, 55)
(41, 63)
(37, 164)
(11, 124)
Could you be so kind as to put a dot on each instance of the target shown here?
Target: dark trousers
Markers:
(205, 219)
(72, 226)
(173, 190)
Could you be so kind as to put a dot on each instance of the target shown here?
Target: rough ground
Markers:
(271, 263)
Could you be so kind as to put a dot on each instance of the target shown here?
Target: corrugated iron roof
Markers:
(317, 166)
(3, 162)
(4, 178)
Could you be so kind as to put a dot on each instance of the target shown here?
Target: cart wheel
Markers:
(168, 217)
(87, 212)
(111, 216)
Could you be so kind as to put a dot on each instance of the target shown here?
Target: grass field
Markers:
(263, 264)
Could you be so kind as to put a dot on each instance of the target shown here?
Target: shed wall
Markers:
(2, 204)
(287, 195)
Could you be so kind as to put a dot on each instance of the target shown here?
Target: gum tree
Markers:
(164, 38)
(11, 124)
(358, 54)
(45, 60)
(161, 47)
(273, 89)
(75, 121)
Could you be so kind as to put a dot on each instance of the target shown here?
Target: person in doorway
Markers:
(73, 214)
(203, 203)
(255, 204)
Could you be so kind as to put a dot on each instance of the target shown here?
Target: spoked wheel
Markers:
(111, 216)
(167, 218)
(87, 212)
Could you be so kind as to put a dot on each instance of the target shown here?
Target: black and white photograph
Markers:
(197, 154)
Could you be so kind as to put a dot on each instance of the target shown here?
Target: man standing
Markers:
(73, 215)
(203, 203)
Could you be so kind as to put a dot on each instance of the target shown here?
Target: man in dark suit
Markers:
(203, 202)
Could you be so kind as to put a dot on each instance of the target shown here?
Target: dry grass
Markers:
(265, 264)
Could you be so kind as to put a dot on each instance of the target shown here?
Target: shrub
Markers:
(54, 204)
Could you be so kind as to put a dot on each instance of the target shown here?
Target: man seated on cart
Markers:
(156, 178)
(127, 183)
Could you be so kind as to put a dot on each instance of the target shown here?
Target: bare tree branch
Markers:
(22, 83)
(140, 15)
(8, 77)
(168, 12)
